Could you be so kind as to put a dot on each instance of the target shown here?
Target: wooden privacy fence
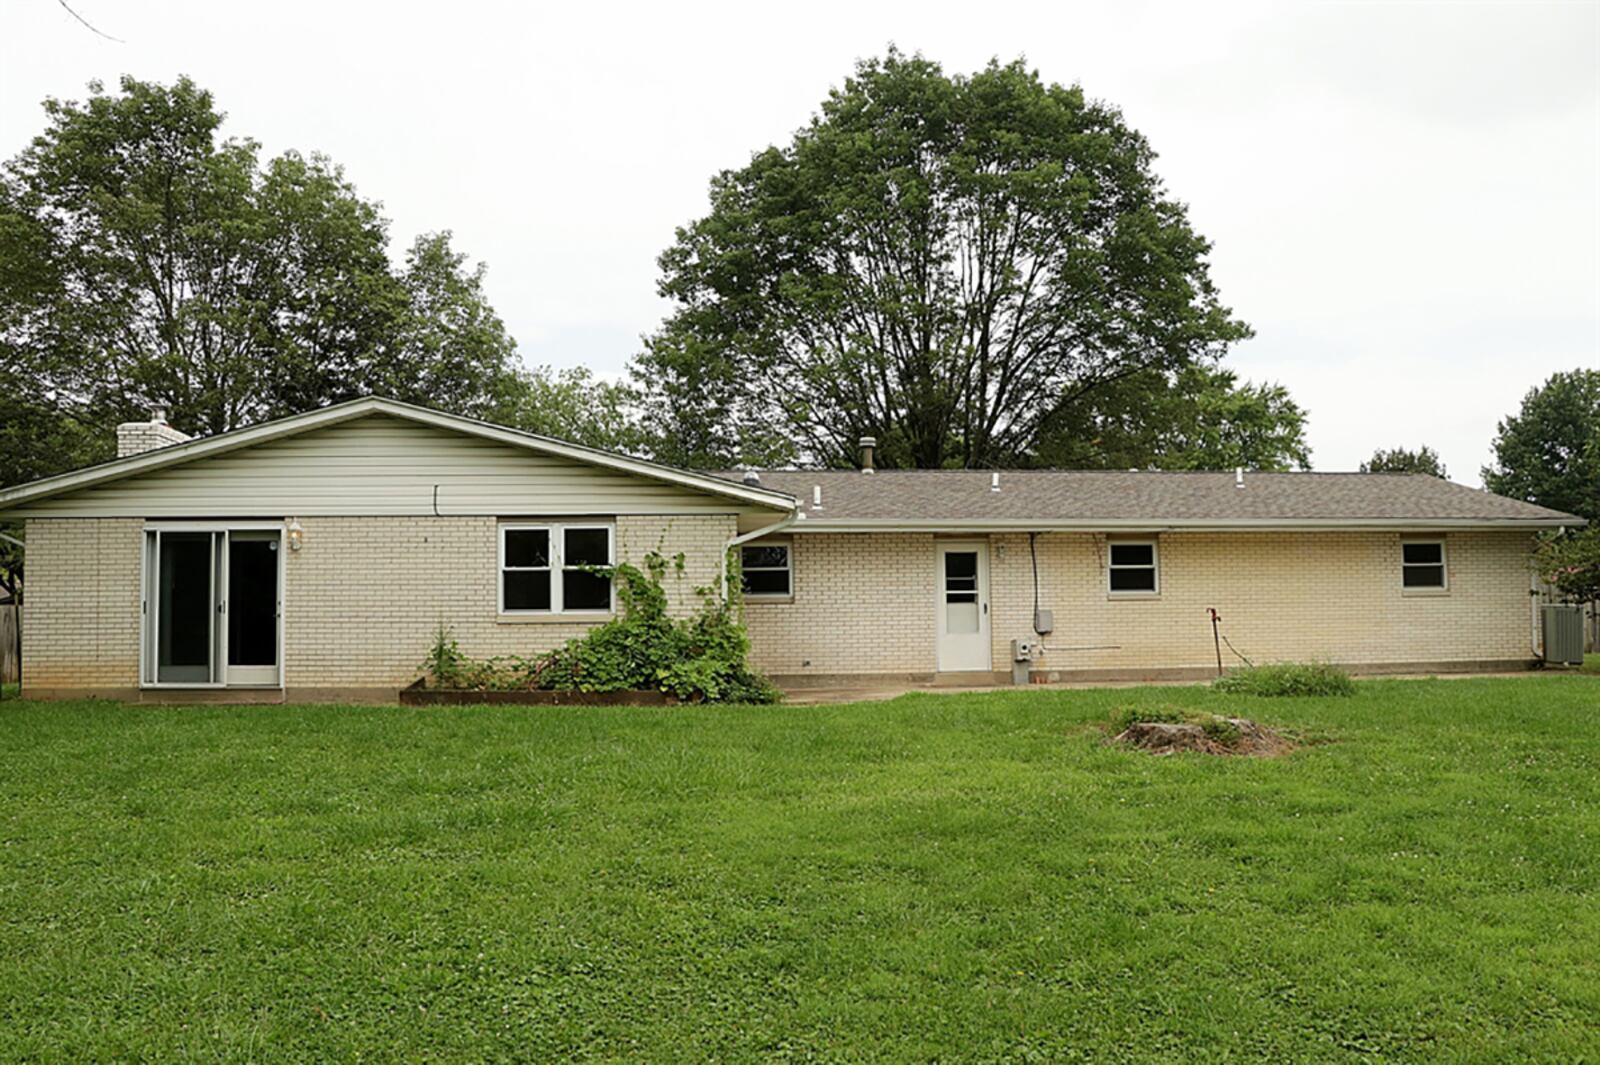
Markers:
(10, 643)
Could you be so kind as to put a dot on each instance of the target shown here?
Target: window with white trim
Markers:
(1131, 568)
(766, 570)
(556, 568)
(1422, 566)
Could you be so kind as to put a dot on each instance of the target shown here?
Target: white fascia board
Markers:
(174, 454)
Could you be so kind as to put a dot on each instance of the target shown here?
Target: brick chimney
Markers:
(135, 438)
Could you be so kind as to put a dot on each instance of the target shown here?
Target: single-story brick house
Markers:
(314, 557)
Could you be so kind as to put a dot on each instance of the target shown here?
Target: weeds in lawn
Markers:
(1219, 730)
(1287, 678)
(1166, 713)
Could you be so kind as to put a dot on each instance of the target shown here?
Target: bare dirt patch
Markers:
(1220, 735)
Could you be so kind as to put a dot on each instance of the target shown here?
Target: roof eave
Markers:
(815, 524)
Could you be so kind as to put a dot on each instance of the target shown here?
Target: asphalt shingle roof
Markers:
(1111, 495)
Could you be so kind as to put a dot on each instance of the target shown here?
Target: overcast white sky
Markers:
(1404, 198)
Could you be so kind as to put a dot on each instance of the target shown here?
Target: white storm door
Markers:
(253, 565)
(963, 582)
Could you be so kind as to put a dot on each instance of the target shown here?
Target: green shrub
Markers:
(700, 658)
(1287, 678)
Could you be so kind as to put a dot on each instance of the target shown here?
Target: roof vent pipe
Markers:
(158, 415)
(994, 482)
(816, 497)
(868, 443)
(751, 477)
(1238, 476)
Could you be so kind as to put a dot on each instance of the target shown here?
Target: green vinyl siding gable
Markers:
(381, 465)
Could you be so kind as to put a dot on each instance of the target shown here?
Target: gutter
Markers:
(744, 538)
(979, 525)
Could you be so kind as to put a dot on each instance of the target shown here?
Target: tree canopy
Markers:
(573, 404)
(977, 270)
(145, 259)
(1403, 460)
(1570, 563)
(1197, 418)
(948, 263)
(1549, 451)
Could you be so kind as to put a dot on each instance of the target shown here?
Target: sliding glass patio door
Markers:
(211, 607)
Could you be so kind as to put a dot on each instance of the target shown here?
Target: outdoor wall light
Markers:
(297, 534)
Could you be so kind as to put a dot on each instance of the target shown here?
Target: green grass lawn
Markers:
(953, 877)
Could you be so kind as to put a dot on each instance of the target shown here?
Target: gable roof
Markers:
(1106, 500)
(266, 432)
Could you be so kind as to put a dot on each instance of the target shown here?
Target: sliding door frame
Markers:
(149, 623)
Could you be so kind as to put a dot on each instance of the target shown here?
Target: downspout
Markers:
(765, 530)
(1533, 615)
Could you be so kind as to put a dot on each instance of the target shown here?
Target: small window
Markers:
(1132, 568)
(766, 570)
(555, 569)
(1422, 565)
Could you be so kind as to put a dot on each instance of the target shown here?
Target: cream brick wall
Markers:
(363, 597)
(81, 604)
(366, 594)
(361, 601)
(864, 603)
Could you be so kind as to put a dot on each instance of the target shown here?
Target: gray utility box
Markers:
(1563, 635)
(1023, 652)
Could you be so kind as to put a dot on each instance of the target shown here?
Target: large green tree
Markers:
(1197, 418)
(1549, 451)
(1404, 460)
(944, 262)
(145, 259)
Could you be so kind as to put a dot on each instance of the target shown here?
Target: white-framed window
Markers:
(549, 568)
(767, 570)
(1422, 566)
(1132, 568)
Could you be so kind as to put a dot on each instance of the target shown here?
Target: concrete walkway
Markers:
(874, 693)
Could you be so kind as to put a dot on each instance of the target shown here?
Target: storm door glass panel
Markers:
(186, 607)
(253, 601)
(961, 592)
